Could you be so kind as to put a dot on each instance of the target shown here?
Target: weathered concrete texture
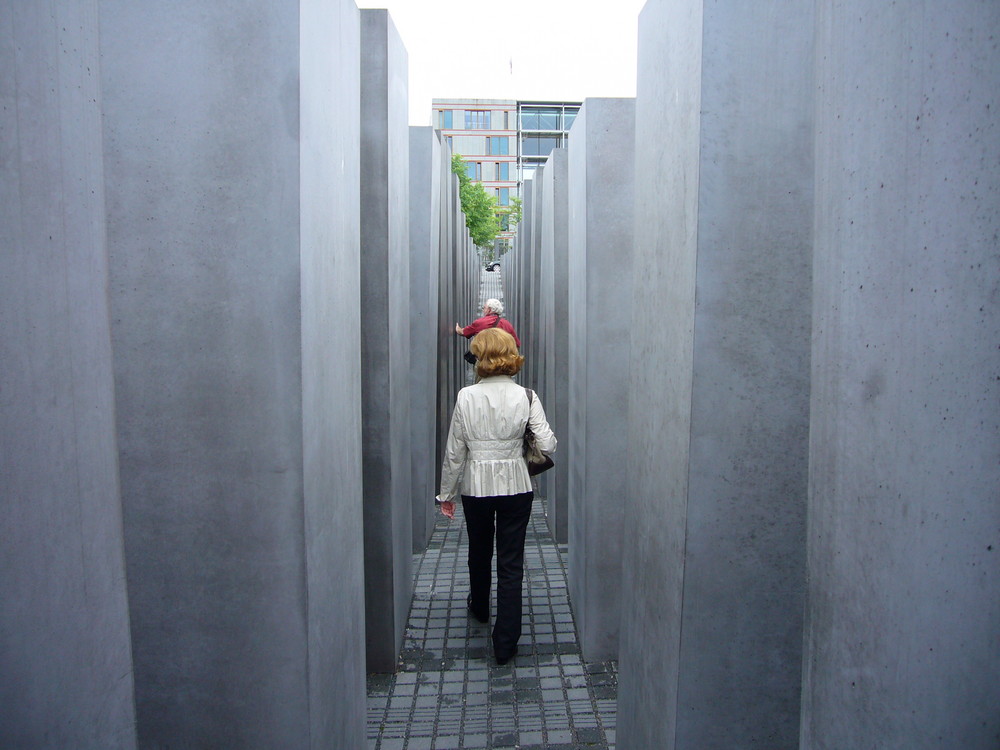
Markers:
(517, 271)
(532, 293)
(231, 142)
(600, 209)
(426, 227)
(65, 662)
(714, 571)
(460, 287)
(385, 333)
(458, 274)
(329, 161)
(551, 331)
(902, 646)
(449, 362)
(528, 292)
(670, 39)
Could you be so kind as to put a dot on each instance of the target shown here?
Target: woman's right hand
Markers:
(448, 508)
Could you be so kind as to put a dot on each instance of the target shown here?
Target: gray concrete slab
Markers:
(535, 292)
(449, 360)
(231, 141)
(531, 290)
(460, 285)
(517, 268)
(552, 330)
(385, 338)
(714, 570)
(600, 201)
(329, 164)
(426, 193)
(65, 657)
(902, 635)
(670, 39)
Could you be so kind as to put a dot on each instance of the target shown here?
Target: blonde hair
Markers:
(496, 352)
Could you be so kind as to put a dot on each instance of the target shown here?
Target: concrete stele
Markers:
(551, 330)
(902, 641)
(65, 669)
(601, 179)
(425, 248)
(714, 581)
(231, 163)
(385, 333)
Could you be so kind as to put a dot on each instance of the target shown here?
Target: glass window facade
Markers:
(540, 118)
(503, 170)
(445, 119)
(477, 119)
(504, 197)
(499, 145)
(539, 145)
(474, 170)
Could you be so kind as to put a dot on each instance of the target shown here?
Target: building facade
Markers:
(503, 140)
(542, 126)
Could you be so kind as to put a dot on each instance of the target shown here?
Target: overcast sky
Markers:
(515, 49)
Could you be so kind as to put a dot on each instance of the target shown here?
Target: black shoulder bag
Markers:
(536, 460)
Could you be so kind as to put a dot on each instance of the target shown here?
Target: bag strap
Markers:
(528, 434)
(496, 322)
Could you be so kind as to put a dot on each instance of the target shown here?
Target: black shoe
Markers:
(501, 660)
(472, 612)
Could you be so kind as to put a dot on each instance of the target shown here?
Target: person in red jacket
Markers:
(492, 318)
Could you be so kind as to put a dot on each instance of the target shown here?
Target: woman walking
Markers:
(483, 459)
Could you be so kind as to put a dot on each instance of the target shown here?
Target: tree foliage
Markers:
(512, 212)
(479, 207)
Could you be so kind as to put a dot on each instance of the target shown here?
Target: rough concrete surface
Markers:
(601, 227)
(902, 646)
(65, 660)
(553, 329)
(243, 543)
(720, 377)
(385, 338)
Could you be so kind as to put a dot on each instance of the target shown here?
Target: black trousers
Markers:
(509, 516)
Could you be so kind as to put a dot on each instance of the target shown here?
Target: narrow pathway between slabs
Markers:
(448, 693)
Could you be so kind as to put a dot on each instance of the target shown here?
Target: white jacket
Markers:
(483, 455)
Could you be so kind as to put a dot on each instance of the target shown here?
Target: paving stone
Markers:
(589, 736)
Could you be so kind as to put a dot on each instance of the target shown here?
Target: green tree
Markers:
(479, 207)
(509, 217)
(511, 212)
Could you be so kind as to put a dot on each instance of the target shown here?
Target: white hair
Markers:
(495, 305)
